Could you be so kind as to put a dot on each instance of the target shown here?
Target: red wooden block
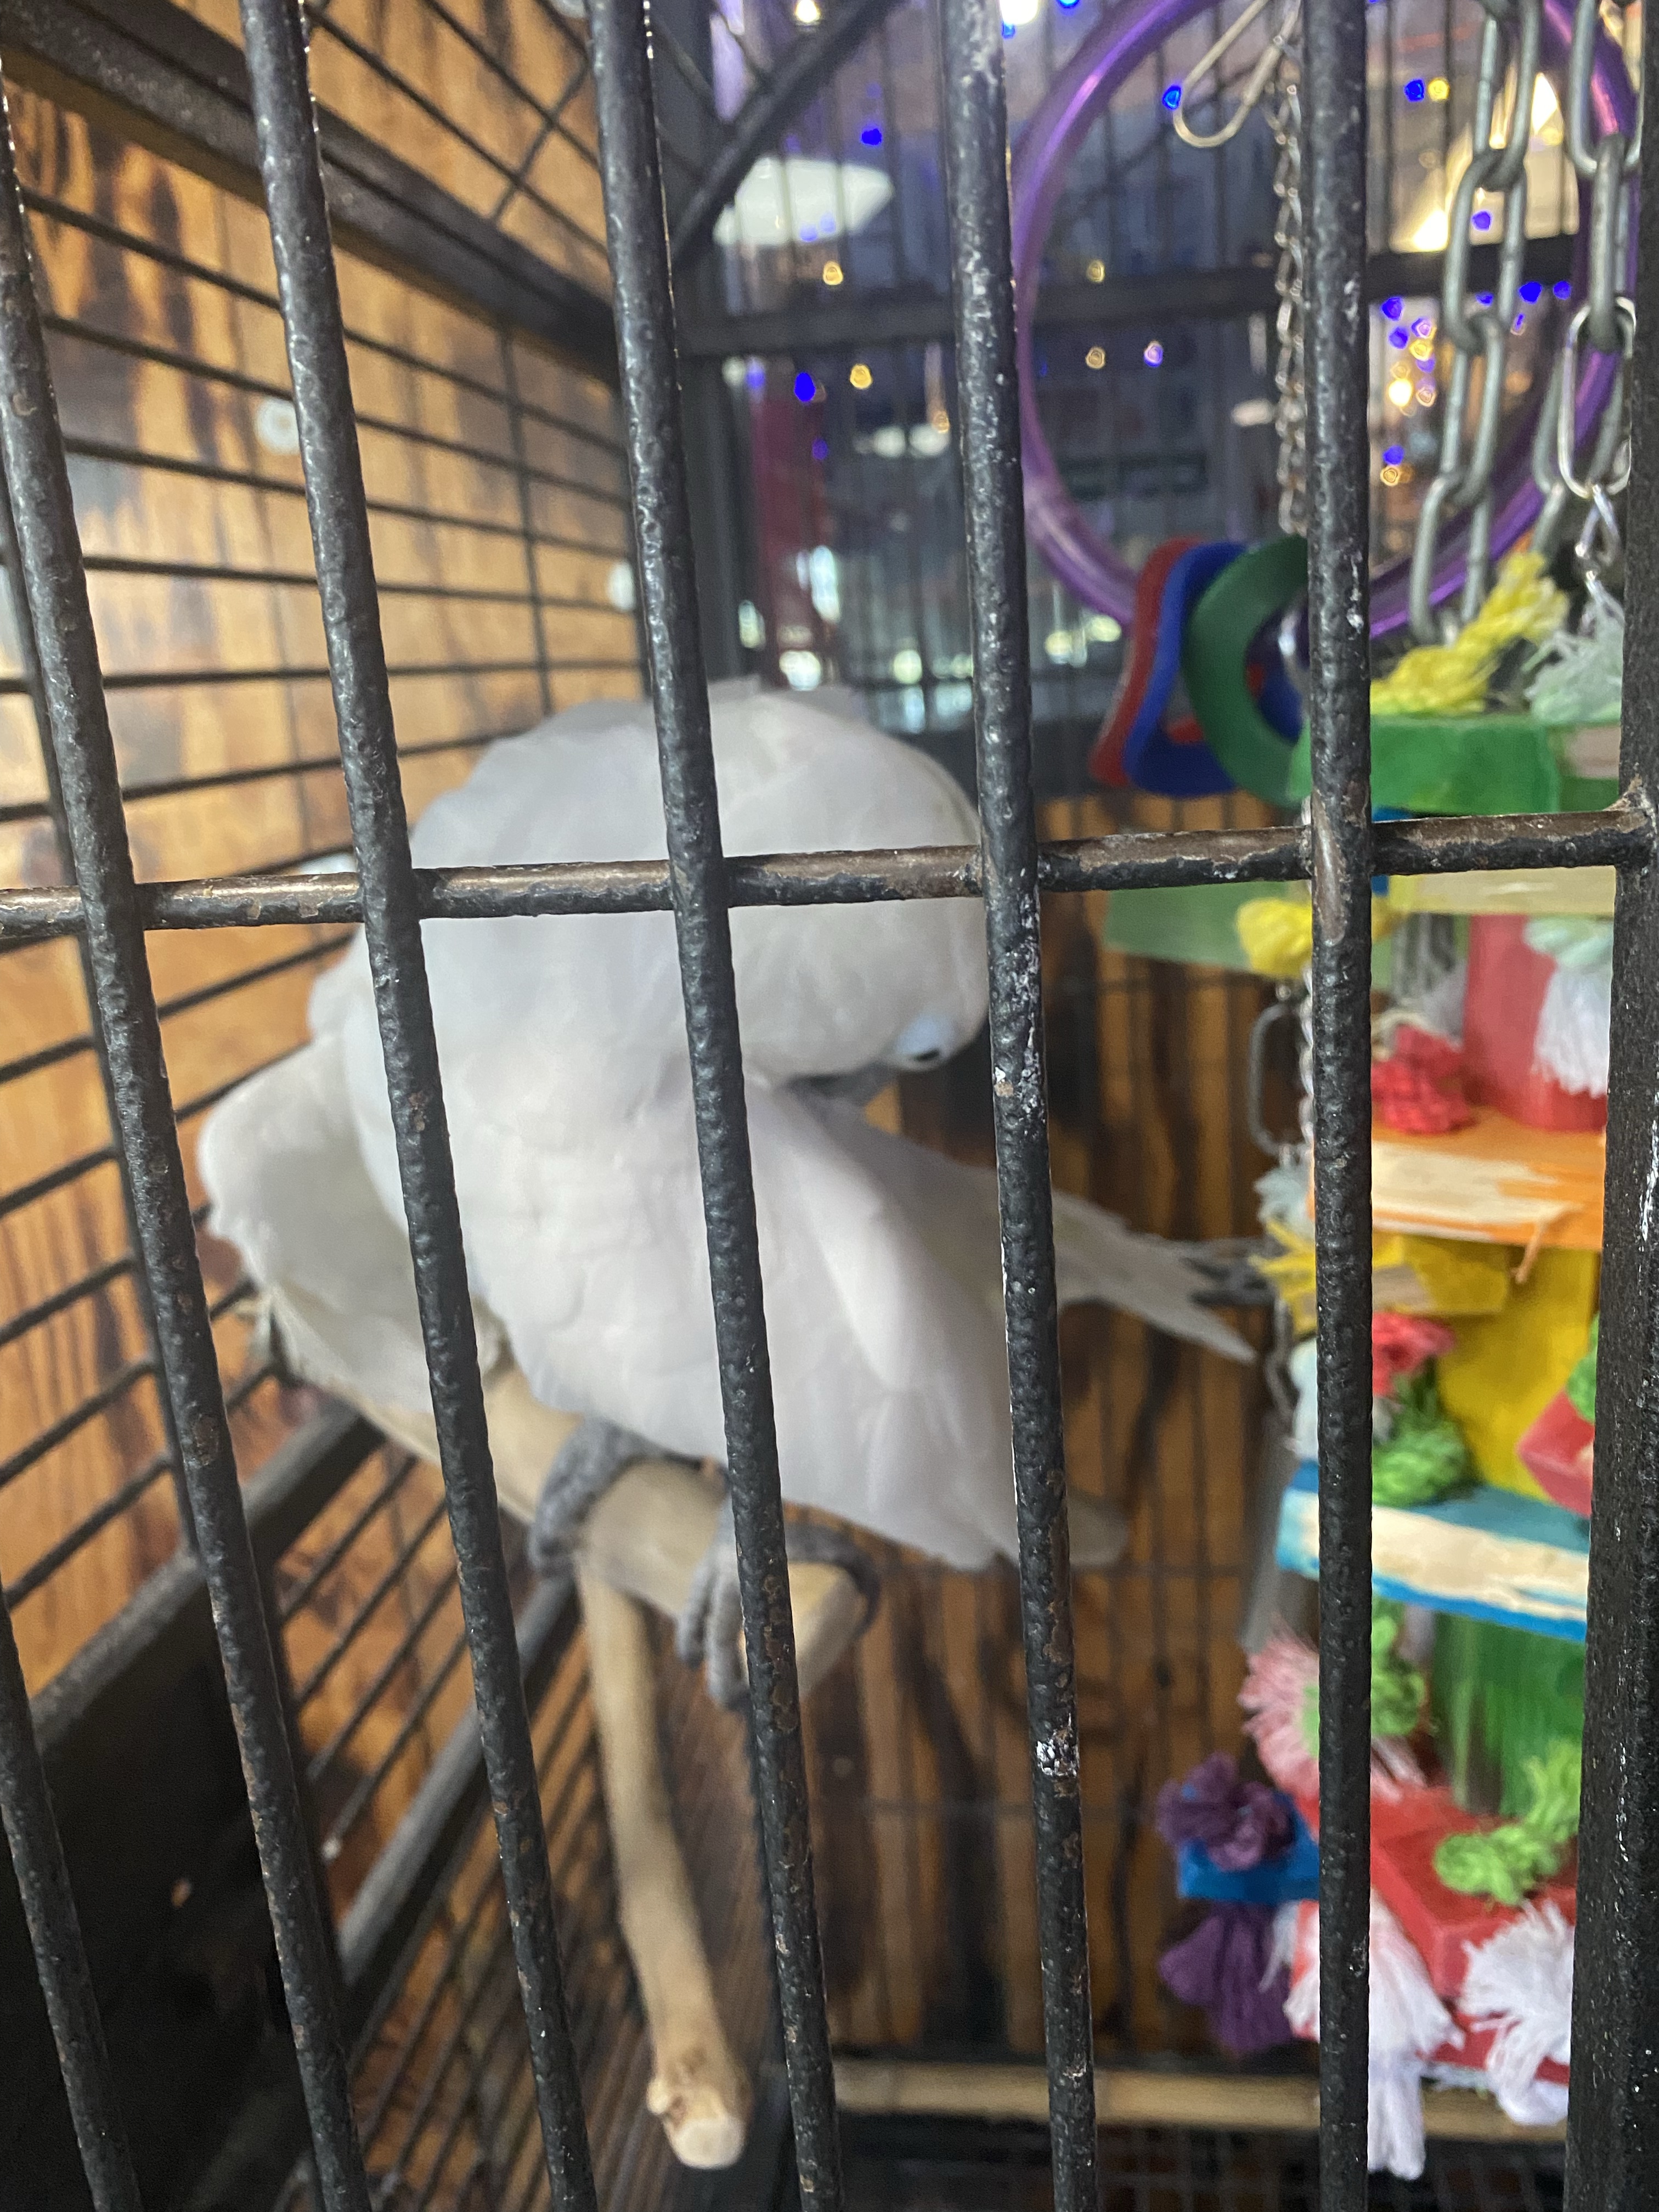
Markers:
(1406, 1829)
(1558, 1452)
(1507, 981)
(1475, 2050)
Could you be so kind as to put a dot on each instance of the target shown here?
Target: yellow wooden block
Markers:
(1504, 1370)
(1533, 891)
(1449, 1279)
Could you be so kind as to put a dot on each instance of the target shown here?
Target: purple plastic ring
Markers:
(1119, 43)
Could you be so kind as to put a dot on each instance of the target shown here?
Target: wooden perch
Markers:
(647, 1533)
(697, 2089)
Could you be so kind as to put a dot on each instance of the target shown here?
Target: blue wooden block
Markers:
(1488, 1553)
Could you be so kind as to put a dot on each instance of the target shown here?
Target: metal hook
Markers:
(1599, 544)
(1255, 85)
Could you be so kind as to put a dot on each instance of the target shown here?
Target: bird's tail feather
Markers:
(1099, 1259)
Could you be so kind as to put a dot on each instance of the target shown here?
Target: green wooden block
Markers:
(1456, 764)
(1191, 922)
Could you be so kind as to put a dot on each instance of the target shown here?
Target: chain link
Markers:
(1273, 85)
(1290, 412)
(1510, 44)
(1604, 322)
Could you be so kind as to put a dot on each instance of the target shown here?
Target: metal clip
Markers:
(1255, 85)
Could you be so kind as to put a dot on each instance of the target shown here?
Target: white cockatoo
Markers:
(567, 1088)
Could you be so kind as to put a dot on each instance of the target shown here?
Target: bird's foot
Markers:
(702, 2096)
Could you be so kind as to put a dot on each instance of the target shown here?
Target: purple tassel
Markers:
(1223, 1966)
(1238, 1823)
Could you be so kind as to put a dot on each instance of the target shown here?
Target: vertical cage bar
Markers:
(124, 1009)
(988, 431)
(643, 296)
(1339, 710)
(1613, 2123)
(60, 1957)
(30, 658)
(274, 42)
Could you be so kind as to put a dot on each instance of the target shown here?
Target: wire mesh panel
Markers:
(495, 487)
(905, 2168)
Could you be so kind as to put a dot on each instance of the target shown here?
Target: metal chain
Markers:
(1603, 322)
(1290, 413)
(1463, 484)
(1272, 84)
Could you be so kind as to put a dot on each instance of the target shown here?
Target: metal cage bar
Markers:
(43, 1883)
(290, 166)
(1130, 859)
(124, 1011)
(672, 626)
(1612, 2122)
(1339, 717)
(976, 121)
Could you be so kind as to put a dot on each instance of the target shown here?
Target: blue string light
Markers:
(1414, 90)
(1481, 220)
(1172, 97)
(1531, 292)
(1393, 456)
(1391, 310)
(870, 135)
(1563, 290)
(1400, 337)
(820, 449)
(805, 388)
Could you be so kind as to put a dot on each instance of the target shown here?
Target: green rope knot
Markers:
(1397, 1690)
(1507, 1864)
(1580, 1384)
(1424, 1456)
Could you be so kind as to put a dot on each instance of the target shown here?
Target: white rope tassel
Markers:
(1574, 1021)
(1520, 1985)
(1573, 1025)
(1407, 2024)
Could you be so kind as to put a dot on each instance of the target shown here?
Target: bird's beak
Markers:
(856, 1088)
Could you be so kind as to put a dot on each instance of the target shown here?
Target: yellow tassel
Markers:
(1452, 679)
(1290, 1272)
(1277, 932)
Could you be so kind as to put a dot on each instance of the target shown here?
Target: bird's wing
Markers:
(889, 1385)
(280, 1161)
(953, 1209)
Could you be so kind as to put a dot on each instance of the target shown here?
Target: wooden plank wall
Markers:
(489, 99)
(179, 361)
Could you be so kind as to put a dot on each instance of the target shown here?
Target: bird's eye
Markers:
(921, 1043)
